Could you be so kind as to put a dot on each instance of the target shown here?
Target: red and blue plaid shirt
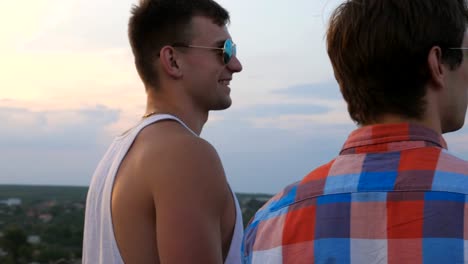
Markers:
(393, 195)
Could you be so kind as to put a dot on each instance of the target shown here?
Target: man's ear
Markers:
(170, 62)
(437, 69)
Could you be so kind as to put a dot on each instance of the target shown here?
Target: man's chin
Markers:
(453, 126)
(222, 105)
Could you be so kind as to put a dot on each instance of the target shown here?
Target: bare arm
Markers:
(189, 190)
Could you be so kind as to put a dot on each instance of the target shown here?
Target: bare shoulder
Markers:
(173, 158)
(181, 183)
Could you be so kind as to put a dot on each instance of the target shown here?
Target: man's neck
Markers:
(394, 119)
(185, 111)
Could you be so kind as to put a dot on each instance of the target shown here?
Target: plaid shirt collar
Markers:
(377, 138)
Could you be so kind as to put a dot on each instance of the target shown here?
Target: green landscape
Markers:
(44, 224)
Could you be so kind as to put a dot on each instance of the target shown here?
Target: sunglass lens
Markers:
(229, 51)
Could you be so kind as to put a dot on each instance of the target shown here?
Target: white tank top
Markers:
(99, 245)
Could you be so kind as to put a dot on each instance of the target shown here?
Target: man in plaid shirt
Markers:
(394, 194)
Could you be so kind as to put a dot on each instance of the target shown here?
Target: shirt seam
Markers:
(366, 191)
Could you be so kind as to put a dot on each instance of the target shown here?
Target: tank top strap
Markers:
(159, 117)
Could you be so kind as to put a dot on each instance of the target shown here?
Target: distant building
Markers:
(79, 205)
(51, 203)
(31, 213)
(34, 240)
(61, 261)
(46, 205)
(45, 217)
(12, 202)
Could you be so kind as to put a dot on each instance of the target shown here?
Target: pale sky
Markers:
(68, 86)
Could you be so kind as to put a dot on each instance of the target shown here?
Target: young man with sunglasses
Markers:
(160, 194)
(394, 194)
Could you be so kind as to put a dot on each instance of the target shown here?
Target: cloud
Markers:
(17, 29)
(302, 123)
(93, 25)
(59, 147)
(269, 110)
(57, 129)
(328, 90)
(297, 109)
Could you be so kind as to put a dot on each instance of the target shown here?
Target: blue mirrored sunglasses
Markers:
(229, 49)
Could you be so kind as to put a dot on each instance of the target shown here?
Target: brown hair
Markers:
(379, 51)
(156, 23)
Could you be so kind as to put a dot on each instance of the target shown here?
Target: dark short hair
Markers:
(156, 23)
(379, 51)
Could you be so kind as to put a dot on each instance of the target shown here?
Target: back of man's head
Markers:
(379, 51)
(156, 23)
